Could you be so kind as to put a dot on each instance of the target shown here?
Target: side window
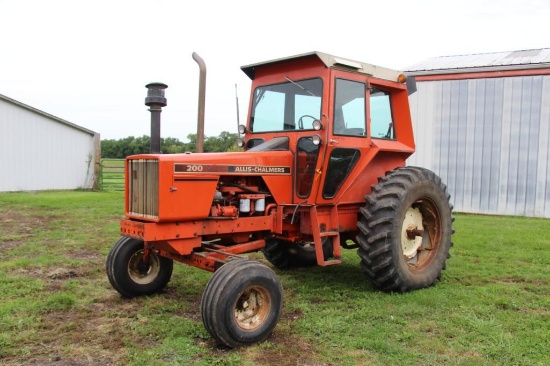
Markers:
(340, 165)
(381, 121)
(349, 108)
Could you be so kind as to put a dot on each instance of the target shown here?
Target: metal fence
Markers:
(112, 174)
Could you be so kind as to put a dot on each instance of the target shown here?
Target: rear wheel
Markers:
(405, 230)
(242, 303)
(284, 254)
(130, 275)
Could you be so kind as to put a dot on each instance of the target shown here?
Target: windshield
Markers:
(293, 105)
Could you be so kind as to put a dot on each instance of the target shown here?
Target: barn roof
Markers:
(38, 111)
(496, 61)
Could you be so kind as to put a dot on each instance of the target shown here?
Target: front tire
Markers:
(405, 230)
(130, 275)
(241, 303)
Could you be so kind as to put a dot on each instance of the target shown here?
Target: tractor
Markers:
(322, 168)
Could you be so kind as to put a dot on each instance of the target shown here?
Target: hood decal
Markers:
(231, 169)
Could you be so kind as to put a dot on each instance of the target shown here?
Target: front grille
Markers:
(143, 190)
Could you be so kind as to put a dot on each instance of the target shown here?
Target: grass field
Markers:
(492, 306)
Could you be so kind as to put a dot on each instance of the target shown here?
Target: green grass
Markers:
(492, 306)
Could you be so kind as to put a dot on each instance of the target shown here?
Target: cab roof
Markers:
(331, 61)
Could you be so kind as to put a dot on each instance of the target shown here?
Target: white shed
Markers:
(482, 122)
(39, 151)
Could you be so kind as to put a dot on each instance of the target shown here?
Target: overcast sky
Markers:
(88, 61)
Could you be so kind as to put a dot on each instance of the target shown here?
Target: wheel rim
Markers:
(421, 234)
(141, 272)
(252, 308)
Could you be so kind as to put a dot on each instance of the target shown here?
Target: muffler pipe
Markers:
(202, 94)
(155, 101)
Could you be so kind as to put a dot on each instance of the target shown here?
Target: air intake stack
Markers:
(155, 101)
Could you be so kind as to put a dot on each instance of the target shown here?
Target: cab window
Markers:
(292, 105)
(306, 160)
(381, 121)
(340, 165)
(349, 108)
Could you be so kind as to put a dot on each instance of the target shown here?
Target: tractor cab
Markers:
(335, 116)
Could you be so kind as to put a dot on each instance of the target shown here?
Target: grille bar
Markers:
(143, 188)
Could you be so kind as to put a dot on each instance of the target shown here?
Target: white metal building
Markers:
(482, 122)
(39, 151)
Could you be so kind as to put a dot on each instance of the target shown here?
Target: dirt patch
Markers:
(17, 226)
(55, 277)
(82, 337)
(288, 350)
(85, 255)
(62, 273)
(534, 311)
(193, 311)
(520, 281)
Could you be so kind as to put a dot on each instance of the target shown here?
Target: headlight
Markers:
(316, 139)
(317, 125)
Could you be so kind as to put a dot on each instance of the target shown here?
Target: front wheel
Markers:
(405, 230)
(241, 303)
(130, 275)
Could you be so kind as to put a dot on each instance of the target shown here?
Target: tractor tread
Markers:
(379, 229)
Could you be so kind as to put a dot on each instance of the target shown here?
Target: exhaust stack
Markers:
(155, 101)
(202, 93)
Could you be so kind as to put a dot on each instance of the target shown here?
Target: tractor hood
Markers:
(191, 180)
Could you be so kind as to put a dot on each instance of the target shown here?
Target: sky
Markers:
(88, 61)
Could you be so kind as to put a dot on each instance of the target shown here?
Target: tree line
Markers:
(121, 148)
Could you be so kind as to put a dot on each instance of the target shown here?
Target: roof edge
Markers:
(478, 69)
(331, 61)
(51, 116)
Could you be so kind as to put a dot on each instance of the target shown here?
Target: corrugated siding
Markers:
(488, 139)
(39, 153)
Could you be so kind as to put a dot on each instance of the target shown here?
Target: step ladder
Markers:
(318, 236)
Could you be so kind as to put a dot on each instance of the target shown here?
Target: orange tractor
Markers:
(323, 168)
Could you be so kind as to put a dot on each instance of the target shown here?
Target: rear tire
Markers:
(405, 230)
(284, 255)
(130, 276)
(242, 303)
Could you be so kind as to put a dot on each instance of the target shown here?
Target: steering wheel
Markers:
(301, 120)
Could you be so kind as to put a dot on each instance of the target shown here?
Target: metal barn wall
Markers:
(38, 152)
(489, 141)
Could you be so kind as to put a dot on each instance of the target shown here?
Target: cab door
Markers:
(348, 140)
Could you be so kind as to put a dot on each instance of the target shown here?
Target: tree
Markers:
(221, 143)
(121, 148)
